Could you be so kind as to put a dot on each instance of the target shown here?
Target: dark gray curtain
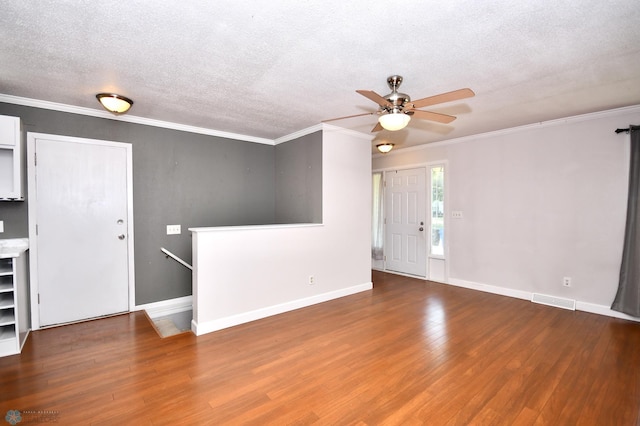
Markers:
(628, 297)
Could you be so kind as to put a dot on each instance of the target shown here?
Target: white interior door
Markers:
(82, 215)
(405, 208)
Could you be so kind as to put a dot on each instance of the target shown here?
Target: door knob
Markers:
(121, 237)
(421, 229)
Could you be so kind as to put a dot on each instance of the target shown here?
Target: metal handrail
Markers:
(176, 258)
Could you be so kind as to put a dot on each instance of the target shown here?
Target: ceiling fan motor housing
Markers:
(398, 100)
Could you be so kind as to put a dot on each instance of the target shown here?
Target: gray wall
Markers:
(299, 180)
(182, 178)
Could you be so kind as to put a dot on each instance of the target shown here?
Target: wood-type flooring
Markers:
(408, 352)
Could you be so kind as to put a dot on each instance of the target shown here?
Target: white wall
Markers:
(245, 273)
(539, 203)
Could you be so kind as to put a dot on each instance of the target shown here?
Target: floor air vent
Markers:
(558, 302)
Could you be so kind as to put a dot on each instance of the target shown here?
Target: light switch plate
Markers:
(173, 229)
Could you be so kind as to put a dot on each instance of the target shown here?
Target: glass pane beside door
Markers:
(437, 210)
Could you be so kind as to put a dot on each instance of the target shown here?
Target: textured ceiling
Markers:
(269, 69)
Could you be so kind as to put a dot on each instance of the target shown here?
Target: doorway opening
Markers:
(409, 221)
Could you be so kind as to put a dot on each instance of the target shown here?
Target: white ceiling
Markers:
(269, 69)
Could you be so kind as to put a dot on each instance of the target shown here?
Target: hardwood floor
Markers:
(408, 352)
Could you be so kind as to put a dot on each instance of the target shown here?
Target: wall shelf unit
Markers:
(14, 303)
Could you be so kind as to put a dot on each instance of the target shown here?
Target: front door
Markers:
(82, 213)
(405, 235)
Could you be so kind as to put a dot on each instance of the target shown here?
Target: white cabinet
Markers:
(11, 160)
(14, 303)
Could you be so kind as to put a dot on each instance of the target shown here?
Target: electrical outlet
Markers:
(566, 281)
(173, 229)
(456, 214)
(312, 280)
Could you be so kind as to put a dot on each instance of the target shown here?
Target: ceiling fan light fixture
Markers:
(385, 147)
(114, 103)
(394, 121)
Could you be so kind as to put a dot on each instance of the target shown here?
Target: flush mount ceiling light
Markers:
(394, 121)
(114, 103)
(385, 147)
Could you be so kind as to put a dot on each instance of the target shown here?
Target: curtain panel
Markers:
(627, 298)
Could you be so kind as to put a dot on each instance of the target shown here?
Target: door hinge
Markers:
(384, 257)
(35, 158)
(385, 222)
(38, 298)
(36, 229)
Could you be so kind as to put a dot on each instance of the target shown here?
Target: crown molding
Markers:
(634, 109)
(321, 127)
(352, 133)
(54, 106)
(298, 134)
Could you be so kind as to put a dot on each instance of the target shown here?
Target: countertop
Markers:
(13, 247)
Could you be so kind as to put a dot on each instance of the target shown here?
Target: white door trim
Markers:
(32, 214)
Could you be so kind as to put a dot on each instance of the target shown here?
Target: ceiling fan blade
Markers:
(432, 116)
(348, 116)
(370, 94)
(443, 97)
(377, 128)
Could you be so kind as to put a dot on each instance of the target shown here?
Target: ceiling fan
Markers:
(396, 109)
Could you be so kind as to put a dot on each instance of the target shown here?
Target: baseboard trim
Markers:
(166, 307)
(591, 308)
(603, 310)
(233, 320)
(502, 291)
